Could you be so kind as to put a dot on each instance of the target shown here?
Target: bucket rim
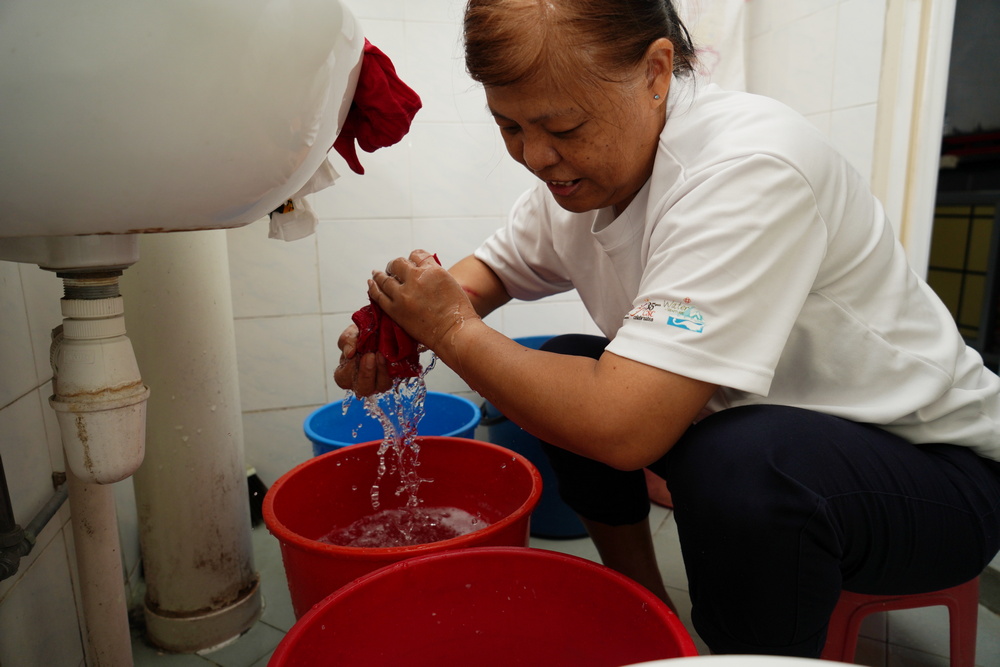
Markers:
(656, 605)
(286, 535)
(313, 436)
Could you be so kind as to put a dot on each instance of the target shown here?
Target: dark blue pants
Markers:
(779, 508)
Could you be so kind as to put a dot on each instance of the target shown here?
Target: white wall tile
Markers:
(434, 10)
(19, 375)
(25, 452)
(270, 276)
(42, 292)
(820, 57)
(28, 470)
(38, 617)
(128, 531)
(376, 9)
(861, 24)
(762, 17)
(453, 238)
(274, 441)
(50, 426)
(810, 59)
(280, 362)
(349, 251)
(463, 169)
(436, 67)
(383, 191)
(793, 10)
(767, 68)
(545, 317)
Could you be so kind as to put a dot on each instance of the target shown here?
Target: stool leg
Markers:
(963, 616)
(961, 601)
(842, 632)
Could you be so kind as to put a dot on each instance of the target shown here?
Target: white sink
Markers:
(123, 117)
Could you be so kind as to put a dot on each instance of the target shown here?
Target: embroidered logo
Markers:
(680, 314)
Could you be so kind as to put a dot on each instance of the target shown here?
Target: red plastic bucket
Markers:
(334, 490)
(495, 606)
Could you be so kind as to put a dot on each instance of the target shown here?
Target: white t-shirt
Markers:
(757, 259)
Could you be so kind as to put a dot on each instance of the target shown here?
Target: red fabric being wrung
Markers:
(381, 111)
(377, 332)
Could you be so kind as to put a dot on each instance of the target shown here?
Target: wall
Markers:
(822, 58)
(38, 611)
(445, 187)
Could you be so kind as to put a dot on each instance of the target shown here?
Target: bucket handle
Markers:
(486, 420)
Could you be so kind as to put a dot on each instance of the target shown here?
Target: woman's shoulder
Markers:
(710, 123)
(710, 116)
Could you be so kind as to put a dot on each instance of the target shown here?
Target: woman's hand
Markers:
(365, 374)
(422, 297)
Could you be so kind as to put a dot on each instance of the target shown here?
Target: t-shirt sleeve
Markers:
(522, 253)
(729, 266)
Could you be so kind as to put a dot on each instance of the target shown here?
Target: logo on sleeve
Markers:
(680, 314)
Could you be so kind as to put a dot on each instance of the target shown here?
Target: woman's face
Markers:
(591, 156)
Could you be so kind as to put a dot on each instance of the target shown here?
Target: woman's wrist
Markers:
(458, 346)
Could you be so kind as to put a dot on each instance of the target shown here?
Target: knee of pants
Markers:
(730, 467)
(579, 345)
(597, 491)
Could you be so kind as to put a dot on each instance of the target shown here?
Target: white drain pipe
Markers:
(107, 642)
(99, 399)
(191, 490)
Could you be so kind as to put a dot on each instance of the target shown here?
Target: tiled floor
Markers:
(910, 638)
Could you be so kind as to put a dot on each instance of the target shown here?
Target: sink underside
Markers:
(143, 116)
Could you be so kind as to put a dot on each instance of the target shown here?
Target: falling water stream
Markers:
(399, 411)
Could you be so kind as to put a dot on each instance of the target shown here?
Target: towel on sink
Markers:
(381, 111)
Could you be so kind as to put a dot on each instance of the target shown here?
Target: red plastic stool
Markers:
(963, 614)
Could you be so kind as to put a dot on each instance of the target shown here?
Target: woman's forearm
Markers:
(615, 410)
(481, 284)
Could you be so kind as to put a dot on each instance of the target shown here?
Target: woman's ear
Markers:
(659, 67)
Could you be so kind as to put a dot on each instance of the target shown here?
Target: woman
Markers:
(740, 269)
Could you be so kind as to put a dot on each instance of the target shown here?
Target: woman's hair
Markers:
(510, 41)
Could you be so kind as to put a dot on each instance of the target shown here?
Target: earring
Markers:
(656, 97)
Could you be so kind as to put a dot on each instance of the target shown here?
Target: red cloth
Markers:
(381, 112)
(377, 332)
